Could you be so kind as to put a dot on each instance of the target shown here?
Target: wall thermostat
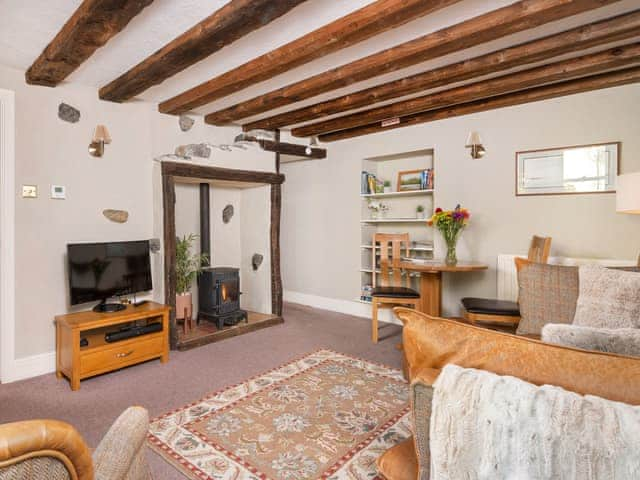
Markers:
(29, 191)
(58, 192)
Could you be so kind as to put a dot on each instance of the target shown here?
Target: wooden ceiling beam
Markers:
(375, 18)
(513, 18)
(231, 22)
(570, 87)
(574, 40)
(610, 59)
(92, 25)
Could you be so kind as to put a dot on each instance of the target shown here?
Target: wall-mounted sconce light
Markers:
(313, 142)
(475, 144)
(100, 138)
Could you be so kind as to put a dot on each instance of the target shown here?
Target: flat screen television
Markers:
(99, 271)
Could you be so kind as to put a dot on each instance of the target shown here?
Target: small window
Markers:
(568, 170)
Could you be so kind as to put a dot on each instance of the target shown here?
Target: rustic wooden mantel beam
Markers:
(231, 22)
(570, 87)
(513, 18)
(574, 40)
(610, 59)
(92, 25)
(379, 16)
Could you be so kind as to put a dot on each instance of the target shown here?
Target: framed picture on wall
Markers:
(568, 170)
(409, 180)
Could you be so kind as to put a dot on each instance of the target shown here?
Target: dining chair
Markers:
(388, 291)
(504, 314)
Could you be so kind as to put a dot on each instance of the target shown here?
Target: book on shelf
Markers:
(365, 295)
(426, 179)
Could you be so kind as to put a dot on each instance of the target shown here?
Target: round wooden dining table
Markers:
(431, 280)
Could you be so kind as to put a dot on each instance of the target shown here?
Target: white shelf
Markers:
(409, 193)
(414, 249)
(395, 220)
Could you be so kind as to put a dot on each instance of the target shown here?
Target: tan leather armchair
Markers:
(53, 450)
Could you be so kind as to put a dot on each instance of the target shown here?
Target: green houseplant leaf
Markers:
(188, 265)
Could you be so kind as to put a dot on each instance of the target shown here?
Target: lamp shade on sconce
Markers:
(628, 193)
(101, 134)
(473, 139)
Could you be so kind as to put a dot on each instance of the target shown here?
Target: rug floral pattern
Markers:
(325, 416)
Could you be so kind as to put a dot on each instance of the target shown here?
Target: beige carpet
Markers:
(324, 416)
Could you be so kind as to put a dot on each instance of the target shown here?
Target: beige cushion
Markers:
(623, 341)
(547, 294)
(608, 298)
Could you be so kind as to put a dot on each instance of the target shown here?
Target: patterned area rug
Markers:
(325, 416)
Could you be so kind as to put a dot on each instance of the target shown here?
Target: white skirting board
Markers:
(348, 307)
(32, 366)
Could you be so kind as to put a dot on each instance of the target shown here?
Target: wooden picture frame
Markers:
(408, 187)
(527, 184)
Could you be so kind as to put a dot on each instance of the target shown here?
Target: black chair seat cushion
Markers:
(488, 306)
(395, 292)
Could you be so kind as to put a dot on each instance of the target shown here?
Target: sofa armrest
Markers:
(21, 441)
(421, 398)
(121, 451)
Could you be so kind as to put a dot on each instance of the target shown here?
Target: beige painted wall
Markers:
(50, 151)
(321, 209)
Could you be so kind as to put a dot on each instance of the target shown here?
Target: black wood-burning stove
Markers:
(218, 287)
(219, 296)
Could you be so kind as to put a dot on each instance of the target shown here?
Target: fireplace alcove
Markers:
(207, 331)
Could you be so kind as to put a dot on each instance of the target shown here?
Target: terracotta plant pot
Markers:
(183, 301)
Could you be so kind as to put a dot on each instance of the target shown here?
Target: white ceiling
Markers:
(27, 26)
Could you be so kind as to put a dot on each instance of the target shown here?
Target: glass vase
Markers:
(451, 241)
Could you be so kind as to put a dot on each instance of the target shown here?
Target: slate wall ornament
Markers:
(68, 114)
(117, 216)
(154, 245)
(185, 122)
(256, 261)
(227, 213)
(193, 150)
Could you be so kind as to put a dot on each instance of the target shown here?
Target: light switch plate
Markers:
(58, 192)
(29, 191)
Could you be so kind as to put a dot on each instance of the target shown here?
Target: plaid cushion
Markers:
(547, 294)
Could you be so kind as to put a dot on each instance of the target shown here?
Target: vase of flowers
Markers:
(450, 223)
(377, 209)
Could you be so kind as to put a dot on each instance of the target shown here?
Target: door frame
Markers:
(7, 236)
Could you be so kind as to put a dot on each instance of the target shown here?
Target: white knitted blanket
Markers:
(485, 426)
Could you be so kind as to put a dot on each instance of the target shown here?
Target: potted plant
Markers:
(450, 223)
(419, 211)
(188, 267)
(387, 186)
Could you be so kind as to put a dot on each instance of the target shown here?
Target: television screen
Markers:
(98, 271)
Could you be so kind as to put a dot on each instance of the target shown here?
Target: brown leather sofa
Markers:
(53, 450)
(431, 343)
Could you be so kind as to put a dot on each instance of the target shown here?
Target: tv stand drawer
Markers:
(120, 355)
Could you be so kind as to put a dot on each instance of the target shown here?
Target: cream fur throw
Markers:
(485, 426)
(608, 298)
(623, 341)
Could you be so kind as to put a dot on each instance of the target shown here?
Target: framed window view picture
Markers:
(409, 180)
(568, 170)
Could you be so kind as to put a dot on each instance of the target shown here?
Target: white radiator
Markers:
(508, 279)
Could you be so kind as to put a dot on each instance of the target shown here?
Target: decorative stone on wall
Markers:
(118, 216)
(227, 213)
(185, 122)
(68, 114)
(256, 261)
(194, 150)
(154, 245)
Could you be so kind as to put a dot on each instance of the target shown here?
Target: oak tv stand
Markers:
(77, 362)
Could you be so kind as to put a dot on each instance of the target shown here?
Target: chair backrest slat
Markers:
(539, 249)
(390, 272)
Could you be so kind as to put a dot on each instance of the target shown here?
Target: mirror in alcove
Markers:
(568, 170)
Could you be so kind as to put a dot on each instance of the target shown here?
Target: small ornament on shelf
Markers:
(377, 209)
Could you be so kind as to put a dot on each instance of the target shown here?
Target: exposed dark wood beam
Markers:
(513, 18)
(285, 148)
(610, 59)
(570, 87)
(92, 25)
(231, 22)
(575, 40)
(355, 27)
